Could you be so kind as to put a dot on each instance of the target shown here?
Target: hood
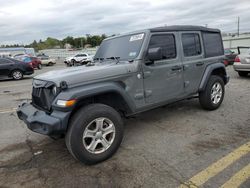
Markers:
(77, 75)
(68, 58)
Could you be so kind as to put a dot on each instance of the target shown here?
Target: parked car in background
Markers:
(36, 63)
(230, 56)
(15, 69)
(242, 61)
(81, 59)
(46, 60)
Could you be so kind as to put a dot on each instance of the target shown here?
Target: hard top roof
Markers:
(183, 28)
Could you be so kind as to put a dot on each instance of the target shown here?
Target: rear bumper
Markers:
(241, 67)
(41, 122)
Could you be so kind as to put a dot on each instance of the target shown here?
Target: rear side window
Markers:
(191, 44)
(166, 42)
(212, 44)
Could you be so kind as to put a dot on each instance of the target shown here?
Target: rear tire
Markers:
(17, 75)
(212, 97)
(95, 133)
(243, 73)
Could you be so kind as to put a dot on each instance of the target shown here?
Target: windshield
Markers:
(124, 47)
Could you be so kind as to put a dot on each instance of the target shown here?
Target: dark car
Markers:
(13, 68)
(230, 56)
(36, 63)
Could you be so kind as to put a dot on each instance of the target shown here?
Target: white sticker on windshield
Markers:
(136, 37)
(132, 54)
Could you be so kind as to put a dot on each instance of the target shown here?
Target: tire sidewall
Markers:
(78, 127)
(214, 79)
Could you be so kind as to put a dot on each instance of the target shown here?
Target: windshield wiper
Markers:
(114, 58)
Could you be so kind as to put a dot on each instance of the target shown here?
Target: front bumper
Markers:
(41, 122)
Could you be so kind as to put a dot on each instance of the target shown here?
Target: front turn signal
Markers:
(64, 103)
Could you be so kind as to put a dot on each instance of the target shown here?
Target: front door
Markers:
(5, 67)
(163, 79)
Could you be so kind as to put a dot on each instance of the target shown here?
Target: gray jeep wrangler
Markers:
(131, 73)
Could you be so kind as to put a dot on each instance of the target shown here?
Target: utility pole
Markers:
(238, 26)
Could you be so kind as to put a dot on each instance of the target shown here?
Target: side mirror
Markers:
(155, 54)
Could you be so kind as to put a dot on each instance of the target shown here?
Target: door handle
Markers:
(175, 68)
(199, 63)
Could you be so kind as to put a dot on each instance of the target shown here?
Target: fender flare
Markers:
(86, 91)
(209, 69)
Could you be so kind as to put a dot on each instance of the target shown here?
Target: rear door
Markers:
(193, 60)
(163, 78)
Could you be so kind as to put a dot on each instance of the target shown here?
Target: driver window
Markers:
(166, 42)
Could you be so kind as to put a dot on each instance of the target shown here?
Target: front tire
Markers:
(95, 133)
(212, 97)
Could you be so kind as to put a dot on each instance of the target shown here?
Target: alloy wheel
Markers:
(99, 135)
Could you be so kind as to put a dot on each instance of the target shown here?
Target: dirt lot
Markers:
(164, 147)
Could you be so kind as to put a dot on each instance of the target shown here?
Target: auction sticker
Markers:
(136, 37)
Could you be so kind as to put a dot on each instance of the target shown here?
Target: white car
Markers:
(242, 61)
(82, 58)
(46, 60)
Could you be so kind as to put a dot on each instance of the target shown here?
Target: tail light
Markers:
(237, 59)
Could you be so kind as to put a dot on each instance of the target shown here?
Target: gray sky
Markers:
(22, 21)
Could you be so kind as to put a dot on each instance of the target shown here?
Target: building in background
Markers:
(10, 52)
(233, 41)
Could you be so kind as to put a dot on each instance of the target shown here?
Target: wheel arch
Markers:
(112, 94)
(213, 69)
(15, 69)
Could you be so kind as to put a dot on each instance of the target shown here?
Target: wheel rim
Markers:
(216, 93)
(17, 75)
(99, 135)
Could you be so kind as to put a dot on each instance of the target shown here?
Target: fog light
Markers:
(64, 103)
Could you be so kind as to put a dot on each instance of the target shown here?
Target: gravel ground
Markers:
(161, 148)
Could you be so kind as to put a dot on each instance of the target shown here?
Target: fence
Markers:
(63, 53)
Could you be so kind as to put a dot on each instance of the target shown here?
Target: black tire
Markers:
(79, 123)
(39, 66)
(243, 73)
(205, 97)
(17, 74)
(50, 64)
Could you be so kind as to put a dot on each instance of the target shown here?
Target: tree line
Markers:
(78, 42)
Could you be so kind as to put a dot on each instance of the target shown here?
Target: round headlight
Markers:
(54, 90)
